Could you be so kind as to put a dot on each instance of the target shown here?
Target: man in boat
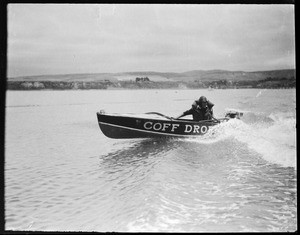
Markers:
(201, 110)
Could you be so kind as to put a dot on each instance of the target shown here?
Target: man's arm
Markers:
(188, 112)
(210, 107)
(210, 104)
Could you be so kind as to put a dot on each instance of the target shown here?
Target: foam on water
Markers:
(273, 136)
(276, 142)
(214, 135)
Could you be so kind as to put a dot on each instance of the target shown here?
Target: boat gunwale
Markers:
(166, 119)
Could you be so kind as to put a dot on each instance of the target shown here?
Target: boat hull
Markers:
(122, 127)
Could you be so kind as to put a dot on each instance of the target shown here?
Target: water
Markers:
(63, 174)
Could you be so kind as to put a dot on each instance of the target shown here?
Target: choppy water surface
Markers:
(63, 174)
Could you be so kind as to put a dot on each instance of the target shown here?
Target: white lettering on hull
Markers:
(165, 125)
(157, 126)
(168, 127)
(174, 126)
(204, 129)
(196, 129)
(146, 125)
(188, 128)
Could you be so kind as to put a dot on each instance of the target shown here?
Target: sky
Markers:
(46, 39)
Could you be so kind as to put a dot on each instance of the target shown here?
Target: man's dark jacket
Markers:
(199, 113)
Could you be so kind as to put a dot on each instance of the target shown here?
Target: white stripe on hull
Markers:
(147, 131)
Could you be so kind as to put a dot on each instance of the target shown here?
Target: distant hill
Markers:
(195, 75)
(216, 75)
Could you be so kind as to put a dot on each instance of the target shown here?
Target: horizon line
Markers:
(58, 74)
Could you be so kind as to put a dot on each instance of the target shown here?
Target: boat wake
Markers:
(273, 136)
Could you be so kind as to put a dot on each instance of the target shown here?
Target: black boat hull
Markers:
(122, 127)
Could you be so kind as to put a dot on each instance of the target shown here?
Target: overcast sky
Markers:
(92, 38)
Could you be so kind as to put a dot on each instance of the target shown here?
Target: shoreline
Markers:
(170, 89)
(269, 83)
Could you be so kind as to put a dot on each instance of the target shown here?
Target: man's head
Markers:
(202, 101)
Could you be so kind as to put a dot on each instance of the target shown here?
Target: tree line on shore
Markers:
(269, 83)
